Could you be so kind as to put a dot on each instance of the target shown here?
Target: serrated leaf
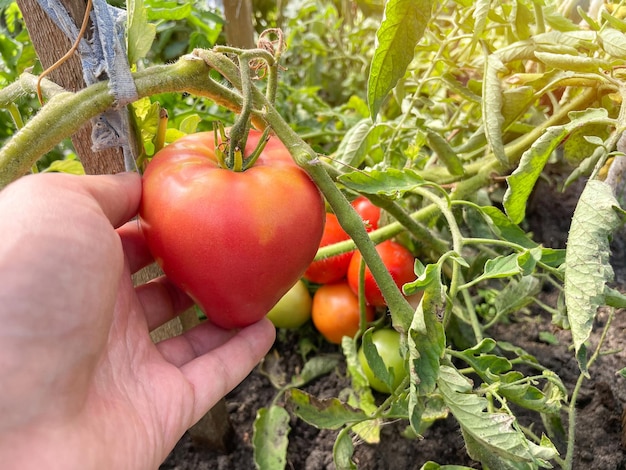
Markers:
(315, 367)
(583, 141)
(445, 153)
(189, 125)
(501, 266)
(587, 267)
(390, 182)
(360, 396)
(572, 63)
(614, 298)
(269, 440)
(497, 371)
(375, 362)
(168, 11)
(426, 338)
(343, 449)
(490, 437)
(613, 42)
(522, 181)
(504, 228)
(426, 343)
(328, 413)
(139, 32)
(357, 142)
(516, 295)
(480, 13)
(435, 466)
(492, 107)
(515, 102)
(402, 27)
(67, 165)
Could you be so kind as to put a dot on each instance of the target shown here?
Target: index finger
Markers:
(117, 195)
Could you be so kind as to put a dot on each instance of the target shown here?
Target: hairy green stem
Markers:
(571, 425)
(66, 112)
(401, 310)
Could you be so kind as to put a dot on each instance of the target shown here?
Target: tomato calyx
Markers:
(228, 149)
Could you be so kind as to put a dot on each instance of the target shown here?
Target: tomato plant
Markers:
(335, 311)
(368, 212)
(335, 268)
(387, 344)
(398, 260)
(235, 241)
(293, 309)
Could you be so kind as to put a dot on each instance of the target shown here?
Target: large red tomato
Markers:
(234, 241)
(397, 259)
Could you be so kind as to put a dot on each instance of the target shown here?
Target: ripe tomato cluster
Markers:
(335, 309)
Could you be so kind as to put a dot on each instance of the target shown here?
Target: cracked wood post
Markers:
(214, 430)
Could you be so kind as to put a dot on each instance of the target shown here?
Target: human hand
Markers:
(81, 383)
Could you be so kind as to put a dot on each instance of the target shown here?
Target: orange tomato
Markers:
(335, 311)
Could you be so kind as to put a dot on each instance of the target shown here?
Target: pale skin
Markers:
(82, 386)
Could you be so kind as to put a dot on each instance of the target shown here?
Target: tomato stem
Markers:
(276, 48)
(251, 160)
(219, 141)
(161, 130)
(237, 155)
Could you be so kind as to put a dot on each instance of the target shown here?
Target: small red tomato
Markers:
(334, 268)
(335, 311)
(368, 212)
(398, 260)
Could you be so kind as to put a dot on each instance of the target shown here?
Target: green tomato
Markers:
(387, 343)
(294, 309)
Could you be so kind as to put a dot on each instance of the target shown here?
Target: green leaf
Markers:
(269, 440)
(68, 165)
(587, 267)
(139, 32)
(169, 11)
(480, 14)
(189, 125)
(328, 413)
(613, 42)
(402, 27)
(504, 228)
(435, 466)
(357, 142)
(426, 338)
(583, 141)
(516, 295)
(343, 449)
(360, 396)
(492, 107)
(496, 372)
(572, 63)
(445, 153)
(522, 181)
(376, 362)
(489, 437)
(390, 182)
(315, 367)
(426, 342)
(614, 298)
(501, 266)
